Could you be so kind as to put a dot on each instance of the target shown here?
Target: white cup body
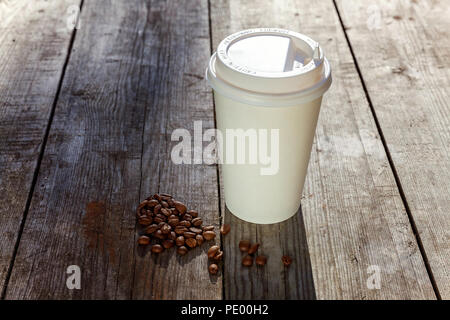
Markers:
(267, 198)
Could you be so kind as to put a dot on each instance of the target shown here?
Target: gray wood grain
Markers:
(34, 42)
(354, 216)
(403, 51)
(135, 74)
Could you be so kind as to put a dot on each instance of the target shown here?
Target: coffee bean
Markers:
(187, 217)
(209, 235)
(145, 221)
(185, 223)
(213, 251)
(213, 268)
(157, 197)
(167, 244)
(196, 230)
(191, 242)
(172, 235)
(166, 212)
(225, 229)
(182, 250)
(159, 218)
(197, 222)
(180, 207)
(193, 213)
(174, 222)
(152, 203)
(180, 229)
(244, 245)
(261, 260)
(179, 241)
(157, 248)
(158, 234)
(286, 260)
(247, 261)
(189, 234)
(170, 202)
(143, 240)
(218, 256)
(164, 204)
(151, 228)
(199, 239)
(165, 229)
(208, 228)
(253, 248)
(174, 211)
(157, 209)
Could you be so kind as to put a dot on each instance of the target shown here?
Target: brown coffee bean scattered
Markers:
(286, 260)
(213, 251)
(261, 260)
(168, 222)
(191, 242)
(180, 241)
(199, 239)
(247, 261)
(143, 240)
(209, 235)
(253, 248)
(182, 250)
(193, 213)
(213, 268)
(225, 229)
(244, 245)
(157, 248)
(218, 256)
(180, 207)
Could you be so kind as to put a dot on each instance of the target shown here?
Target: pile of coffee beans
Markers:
(168, 223)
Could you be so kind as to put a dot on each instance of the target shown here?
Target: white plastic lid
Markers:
(268, 67)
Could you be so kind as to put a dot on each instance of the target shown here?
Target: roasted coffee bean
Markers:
(145, 221)
(173, 222)
(180, 229)
(261, 260)
(181, 208)
(193, 213)
(158, 234)
(172, 235)
(209, 235)
(165, 229)
(218, 256)
(195, 230)
(208, 228)
(166, 212)
(152, 203)
(151, 228)
(182, 250)
(170, 202)
(197, 222)
(157, 209)
(213, 251)
(189, 234)
(157, 248)
(187, 217)
(167, 244)
(141, 207)
(244, 245)
(164, 204)
(191, 242)
(247, 261)
(199, 239)
(286, 260)
(143, 240)
(224, 229)
(185, 223)
(253, 248)
(179, 241)
(165, 196)
(159, 219)
(174, 211)
(213, 268)
(157, 197)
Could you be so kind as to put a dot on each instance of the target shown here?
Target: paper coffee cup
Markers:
(268, 87)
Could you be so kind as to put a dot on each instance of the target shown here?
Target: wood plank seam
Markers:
(391, 163)
(38, 163)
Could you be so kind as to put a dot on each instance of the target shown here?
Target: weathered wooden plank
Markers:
(34, 42)
(353, 212)
(132, 78)
(403, 51)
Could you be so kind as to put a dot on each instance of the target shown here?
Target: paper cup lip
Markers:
(267, 99)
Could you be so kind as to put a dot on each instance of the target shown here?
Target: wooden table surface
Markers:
(86, 117)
